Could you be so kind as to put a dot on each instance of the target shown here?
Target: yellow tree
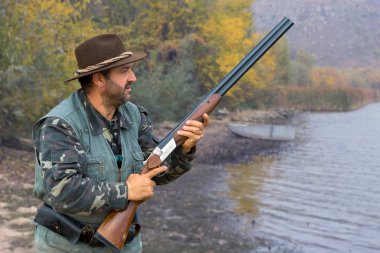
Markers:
(44, 34)
(162, 20)
(328, 77)
(229, 31)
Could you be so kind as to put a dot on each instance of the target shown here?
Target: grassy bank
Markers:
(317, 98)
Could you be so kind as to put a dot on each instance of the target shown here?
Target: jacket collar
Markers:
(96, 120)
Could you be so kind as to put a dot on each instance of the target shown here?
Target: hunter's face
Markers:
(118, 85)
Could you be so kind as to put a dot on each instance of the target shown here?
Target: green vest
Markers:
(101, 161)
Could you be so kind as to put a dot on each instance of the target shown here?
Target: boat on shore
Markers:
(264, 132)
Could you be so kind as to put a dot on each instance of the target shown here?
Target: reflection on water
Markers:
(244, 182)
(324, 194)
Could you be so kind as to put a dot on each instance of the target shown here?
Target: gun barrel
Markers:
(238, 71)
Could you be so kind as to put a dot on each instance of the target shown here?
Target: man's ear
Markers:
(98, 80)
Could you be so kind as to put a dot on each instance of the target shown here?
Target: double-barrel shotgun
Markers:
(113, 231)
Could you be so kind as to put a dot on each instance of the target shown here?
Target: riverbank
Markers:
(189, 215)
(17, 204)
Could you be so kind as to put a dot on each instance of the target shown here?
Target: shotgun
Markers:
(113, 231)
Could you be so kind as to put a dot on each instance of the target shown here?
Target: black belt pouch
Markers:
(59, 223)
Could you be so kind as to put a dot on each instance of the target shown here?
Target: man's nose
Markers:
(131, 76)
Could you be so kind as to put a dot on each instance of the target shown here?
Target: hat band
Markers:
(103, 63)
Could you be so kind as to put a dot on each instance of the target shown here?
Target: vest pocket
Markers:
(95, 169)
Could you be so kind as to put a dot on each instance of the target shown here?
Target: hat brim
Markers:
(136, 56)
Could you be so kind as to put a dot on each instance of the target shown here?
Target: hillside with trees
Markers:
(191, 46)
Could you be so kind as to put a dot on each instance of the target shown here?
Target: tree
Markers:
(39, 40)
(302, 67)
(171, 89)
(328, 76)
(229, 31)
(283, 65)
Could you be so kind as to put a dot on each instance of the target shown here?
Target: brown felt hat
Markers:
(102, 52)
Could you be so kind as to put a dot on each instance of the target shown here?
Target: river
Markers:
(320, 195)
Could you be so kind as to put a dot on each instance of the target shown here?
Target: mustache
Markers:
(127, 85)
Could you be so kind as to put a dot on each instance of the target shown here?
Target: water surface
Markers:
(323, 194)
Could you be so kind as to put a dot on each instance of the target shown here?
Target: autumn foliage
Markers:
(192, 45)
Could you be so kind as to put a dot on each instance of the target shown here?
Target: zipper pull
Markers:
(119, 158)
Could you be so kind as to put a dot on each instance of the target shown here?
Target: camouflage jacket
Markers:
(67, 189)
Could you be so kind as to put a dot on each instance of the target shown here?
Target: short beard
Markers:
(111, 100)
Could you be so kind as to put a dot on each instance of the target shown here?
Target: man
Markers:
(90, 150)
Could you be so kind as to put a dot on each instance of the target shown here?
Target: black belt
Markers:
(73, 230)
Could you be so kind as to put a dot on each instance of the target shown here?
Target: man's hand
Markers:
(140, 187)
(194, 131)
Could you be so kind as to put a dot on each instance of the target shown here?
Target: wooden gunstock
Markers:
(113, 232)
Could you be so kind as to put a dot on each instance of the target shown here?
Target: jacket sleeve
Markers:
(177, 162)
(63, 163)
